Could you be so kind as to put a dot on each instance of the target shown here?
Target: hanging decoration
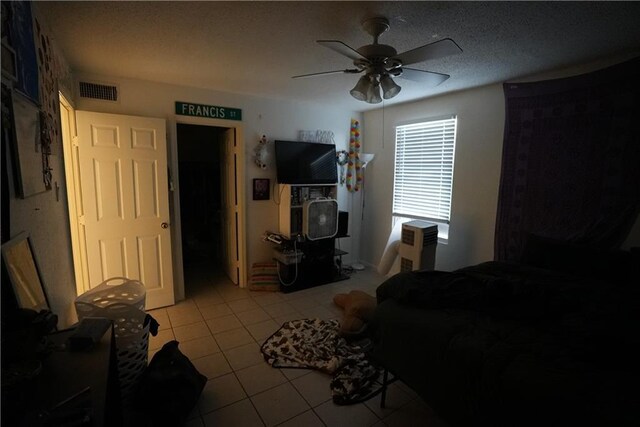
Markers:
(260, 153)
(45, 142)
(342, 157)
(323, 136)
(354, 165)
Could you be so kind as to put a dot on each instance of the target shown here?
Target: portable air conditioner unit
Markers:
(418, 246)
(320, 218)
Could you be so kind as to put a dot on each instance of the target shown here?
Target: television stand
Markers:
(308, 264)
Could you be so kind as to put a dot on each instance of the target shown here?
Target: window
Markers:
(423, 177)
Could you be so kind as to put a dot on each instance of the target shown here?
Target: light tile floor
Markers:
(220, 327)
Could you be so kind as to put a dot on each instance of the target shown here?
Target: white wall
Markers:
(478, 154)
(277, 119)
(45, 216)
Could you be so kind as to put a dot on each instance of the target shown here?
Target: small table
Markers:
(66, 374)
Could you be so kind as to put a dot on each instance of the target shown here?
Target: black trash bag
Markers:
(169, 388)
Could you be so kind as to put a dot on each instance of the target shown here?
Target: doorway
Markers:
(229, 138)
(203, 191)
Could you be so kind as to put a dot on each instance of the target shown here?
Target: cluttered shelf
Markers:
(307, 263)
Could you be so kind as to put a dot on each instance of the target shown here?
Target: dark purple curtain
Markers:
(570, 160)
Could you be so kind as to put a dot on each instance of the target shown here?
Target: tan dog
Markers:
(358, 309)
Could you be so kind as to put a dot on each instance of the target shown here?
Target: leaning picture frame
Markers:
(24, 274)
(27, 149)
(9, 63)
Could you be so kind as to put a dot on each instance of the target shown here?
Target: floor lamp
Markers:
(365, 159)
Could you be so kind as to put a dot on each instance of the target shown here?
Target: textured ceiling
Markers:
(255, 47)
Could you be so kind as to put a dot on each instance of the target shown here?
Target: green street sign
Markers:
(210, 111)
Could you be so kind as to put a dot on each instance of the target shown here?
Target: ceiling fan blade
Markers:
(426, 77)
(435, 50)
(324, 73)
(342, 49)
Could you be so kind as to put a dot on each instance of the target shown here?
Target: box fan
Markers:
(320, 218)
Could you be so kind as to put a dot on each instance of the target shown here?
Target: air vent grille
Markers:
(408, 237)
(406, 265)
(98, 91)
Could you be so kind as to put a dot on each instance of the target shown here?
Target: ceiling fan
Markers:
(381, 63)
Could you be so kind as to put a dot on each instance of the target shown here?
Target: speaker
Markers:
(343, 223)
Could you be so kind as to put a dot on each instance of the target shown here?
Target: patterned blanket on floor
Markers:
(316, 344)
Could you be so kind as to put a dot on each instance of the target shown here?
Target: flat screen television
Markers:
(306, 163)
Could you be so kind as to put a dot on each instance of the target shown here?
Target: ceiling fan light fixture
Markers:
(389, 87)
(361, 89)
(381, 63)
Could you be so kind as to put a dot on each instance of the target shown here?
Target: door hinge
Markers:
(81, 219)
(74, 141)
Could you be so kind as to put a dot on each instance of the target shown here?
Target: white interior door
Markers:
(123, 169)
(230, 208)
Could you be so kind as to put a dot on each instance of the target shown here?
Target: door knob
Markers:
(164, 225)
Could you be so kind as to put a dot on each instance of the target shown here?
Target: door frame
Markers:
(74, 195)
(176, 228)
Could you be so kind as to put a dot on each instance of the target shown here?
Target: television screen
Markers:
(306, 163)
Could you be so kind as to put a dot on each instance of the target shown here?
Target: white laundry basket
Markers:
(122, 301)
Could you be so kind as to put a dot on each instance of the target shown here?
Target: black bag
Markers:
(170, 387)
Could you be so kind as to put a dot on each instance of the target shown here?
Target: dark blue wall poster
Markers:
(21, 40)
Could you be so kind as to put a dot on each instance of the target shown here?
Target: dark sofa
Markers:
(506, 344)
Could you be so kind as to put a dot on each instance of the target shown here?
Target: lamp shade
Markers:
(373, 95)
(366, 158)
(389, 87)
(361, 89)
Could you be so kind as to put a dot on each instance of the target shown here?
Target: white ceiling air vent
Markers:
(103, 92)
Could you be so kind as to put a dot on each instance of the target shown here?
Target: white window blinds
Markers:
(423, 177)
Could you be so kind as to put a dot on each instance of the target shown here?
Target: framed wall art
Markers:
(261, 189)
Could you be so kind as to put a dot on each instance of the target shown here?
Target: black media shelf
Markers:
(316, 267)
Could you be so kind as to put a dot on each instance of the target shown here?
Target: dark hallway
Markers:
(199, 155)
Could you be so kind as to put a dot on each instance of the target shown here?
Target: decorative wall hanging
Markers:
(570, 161)
(46, 143)
(48, 69)
(354, 166)
(260, 153)
(342, 158)
(324, 136)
